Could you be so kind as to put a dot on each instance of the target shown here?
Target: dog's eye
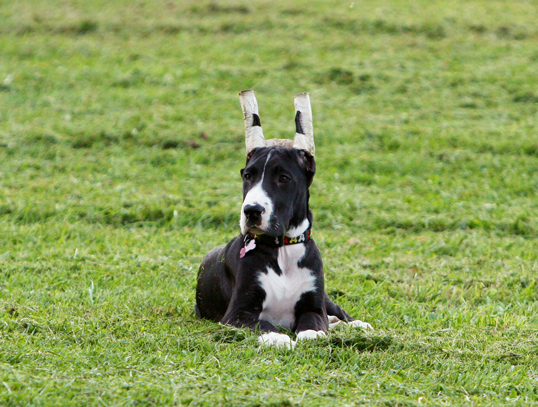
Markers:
(246, 177)
(283, 179)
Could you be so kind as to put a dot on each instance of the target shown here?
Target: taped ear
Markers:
(309, 164)
(251, 117)
(304, 129)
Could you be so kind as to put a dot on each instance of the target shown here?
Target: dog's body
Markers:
(272, 274)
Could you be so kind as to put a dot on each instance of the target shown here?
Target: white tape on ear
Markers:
(253, 129)
(304, 136)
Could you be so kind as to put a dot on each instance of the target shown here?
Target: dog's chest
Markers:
(283, 291)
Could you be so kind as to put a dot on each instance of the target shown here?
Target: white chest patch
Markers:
(283, 291)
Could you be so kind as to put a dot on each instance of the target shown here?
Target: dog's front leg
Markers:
(269, 335)
(312, 316)
(244, 312)
(311, 325)
(241, 318)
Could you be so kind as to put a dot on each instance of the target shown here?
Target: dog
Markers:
(272, 274)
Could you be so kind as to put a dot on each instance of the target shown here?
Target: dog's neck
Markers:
(300, 229)
(288, 239)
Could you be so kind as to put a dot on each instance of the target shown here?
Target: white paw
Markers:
(310, 334)
(334, 321)
(276, 339)
(360, 324)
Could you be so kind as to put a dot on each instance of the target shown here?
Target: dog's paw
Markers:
(334, 321)
(310, 334)
(359, 324)
(276, 339)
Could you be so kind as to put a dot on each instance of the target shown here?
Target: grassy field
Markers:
(121, 140)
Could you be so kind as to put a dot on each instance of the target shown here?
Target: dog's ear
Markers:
(253, 126)
(250, 154)
(309, 164)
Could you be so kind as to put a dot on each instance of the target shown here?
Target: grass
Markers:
(120, 147)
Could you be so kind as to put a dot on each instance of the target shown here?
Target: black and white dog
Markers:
(272, 274)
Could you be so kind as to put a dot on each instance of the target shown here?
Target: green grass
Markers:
(121, 140)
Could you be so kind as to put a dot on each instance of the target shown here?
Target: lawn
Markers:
(121, 141)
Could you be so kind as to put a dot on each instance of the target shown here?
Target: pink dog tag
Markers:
(251, 245)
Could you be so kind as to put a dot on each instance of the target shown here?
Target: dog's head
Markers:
(275, 190)
(277, 174)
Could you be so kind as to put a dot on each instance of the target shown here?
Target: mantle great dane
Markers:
(272, 274)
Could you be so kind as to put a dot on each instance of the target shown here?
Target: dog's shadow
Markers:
(357, 340)
(348, 338)
(228, 334)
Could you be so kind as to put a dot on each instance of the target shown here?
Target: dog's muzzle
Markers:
(253, 214)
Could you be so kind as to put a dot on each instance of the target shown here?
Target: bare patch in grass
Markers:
(357, 83)
(88, 140)
(217, 8)
(379, 26)
(527, 97)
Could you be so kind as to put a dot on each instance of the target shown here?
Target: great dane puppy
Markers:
(272, 274)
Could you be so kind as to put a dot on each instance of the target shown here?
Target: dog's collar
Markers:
(279, 241)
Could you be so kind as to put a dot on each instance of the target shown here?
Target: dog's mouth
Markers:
(253, 214)
(255, 230)
(254, 225)
(259, 228)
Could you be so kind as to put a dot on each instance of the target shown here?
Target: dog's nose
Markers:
(254, 212)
